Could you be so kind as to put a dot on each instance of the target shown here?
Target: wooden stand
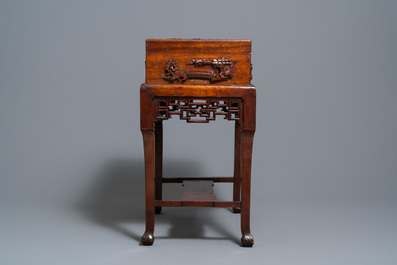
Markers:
(198, 96)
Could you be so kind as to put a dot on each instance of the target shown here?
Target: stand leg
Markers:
(237, 165)
(247, 239)
(148, 143)
(158, 163)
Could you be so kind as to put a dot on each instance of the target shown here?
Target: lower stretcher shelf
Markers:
(197, 193)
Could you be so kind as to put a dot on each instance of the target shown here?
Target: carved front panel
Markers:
(198, 110)
(221, 70)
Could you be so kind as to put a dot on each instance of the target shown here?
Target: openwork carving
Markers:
(199, 110)
(222, 70)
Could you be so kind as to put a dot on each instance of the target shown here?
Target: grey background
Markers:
(325, 152)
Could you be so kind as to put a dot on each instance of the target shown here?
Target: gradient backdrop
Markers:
(324, 185)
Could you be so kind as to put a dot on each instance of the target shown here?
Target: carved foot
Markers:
(157, 210)
(147, 239)
(247, 240)
(236, 210)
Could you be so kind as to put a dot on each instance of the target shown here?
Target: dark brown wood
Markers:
(247, 138)
(249, 100)
(237, 165)
(158, 163)
(198, 81)
(148, 142)
(214, 179)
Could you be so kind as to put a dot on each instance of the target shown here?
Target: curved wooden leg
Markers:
(159, 163)
(237, 165)
(247, 239)
(148, 142)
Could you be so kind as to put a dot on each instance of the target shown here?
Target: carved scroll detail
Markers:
(222, 70)
(199, 110)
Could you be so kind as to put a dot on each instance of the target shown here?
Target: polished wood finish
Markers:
(198, 90)
(198, 81)
(184, 52)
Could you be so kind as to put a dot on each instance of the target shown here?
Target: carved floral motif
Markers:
(172, 72)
